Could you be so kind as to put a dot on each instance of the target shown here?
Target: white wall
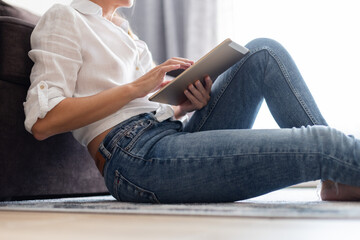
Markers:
(324, 39)
(36, 6)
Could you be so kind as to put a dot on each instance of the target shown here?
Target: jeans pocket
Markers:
(126, 191)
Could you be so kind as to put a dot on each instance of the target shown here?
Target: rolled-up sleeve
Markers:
(56, 53)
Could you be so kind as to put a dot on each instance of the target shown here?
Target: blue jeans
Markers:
(216, 157)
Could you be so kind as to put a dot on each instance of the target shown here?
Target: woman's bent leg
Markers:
(153, 162)
(267, 72)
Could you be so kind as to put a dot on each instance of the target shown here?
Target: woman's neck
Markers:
(108, 9)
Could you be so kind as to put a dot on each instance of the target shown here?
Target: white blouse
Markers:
(79, 53)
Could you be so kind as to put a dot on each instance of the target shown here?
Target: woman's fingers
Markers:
(198, 94)
(184, 60)
(168, 68)
(208, 84)
(184, 63)
(153, 79)
(194, 101)
(203, 91)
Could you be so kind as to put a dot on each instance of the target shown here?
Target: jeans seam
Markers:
(355, 168)
(119, 177)
(235, 155)
(323, 155)
(320, 154)
(218, 97)
(115, 184)
(133, 155)
(292, 88)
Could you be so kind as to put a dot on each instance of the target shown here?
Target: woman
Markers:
(92, 77)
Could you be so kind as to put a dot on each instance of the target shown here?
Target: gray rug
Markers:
(287, 203)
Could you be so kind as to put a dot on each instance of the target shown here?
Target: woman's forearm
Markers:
(73, 113)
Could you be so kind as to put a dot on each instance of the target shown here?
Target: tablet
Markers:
(217, 61)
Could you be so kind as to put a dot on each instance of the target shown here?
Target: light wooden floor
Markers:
(52, 226)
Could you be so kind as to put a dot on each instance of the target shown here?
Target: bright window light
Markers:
(322, 36)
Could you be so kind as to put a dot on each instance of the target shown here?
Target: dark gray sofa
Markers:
(29, 169)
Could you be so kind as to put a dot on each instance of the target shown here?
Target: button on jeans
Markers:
(217, 157)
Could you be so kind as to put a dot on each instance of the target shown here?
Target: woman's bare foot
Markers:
(331, 191)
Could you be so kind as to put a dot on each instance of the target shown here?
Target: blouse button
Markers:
(137, 68)
(42, 87)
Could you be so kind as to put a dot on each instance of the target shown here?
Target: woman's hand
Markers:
(198, 96)
(153, 79)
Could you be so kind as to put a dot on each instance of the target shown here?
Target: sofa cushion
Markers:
(16, 12)
(15, 64)
(16, 25)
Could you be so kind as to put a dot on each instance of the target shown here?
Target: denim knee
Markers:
(264, 43)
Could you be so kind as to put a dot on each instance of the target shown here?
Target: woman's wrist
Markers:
(178, 112)
(136, 90)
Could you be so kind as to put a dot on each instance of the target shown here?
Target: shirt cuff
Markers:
(39, 102)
